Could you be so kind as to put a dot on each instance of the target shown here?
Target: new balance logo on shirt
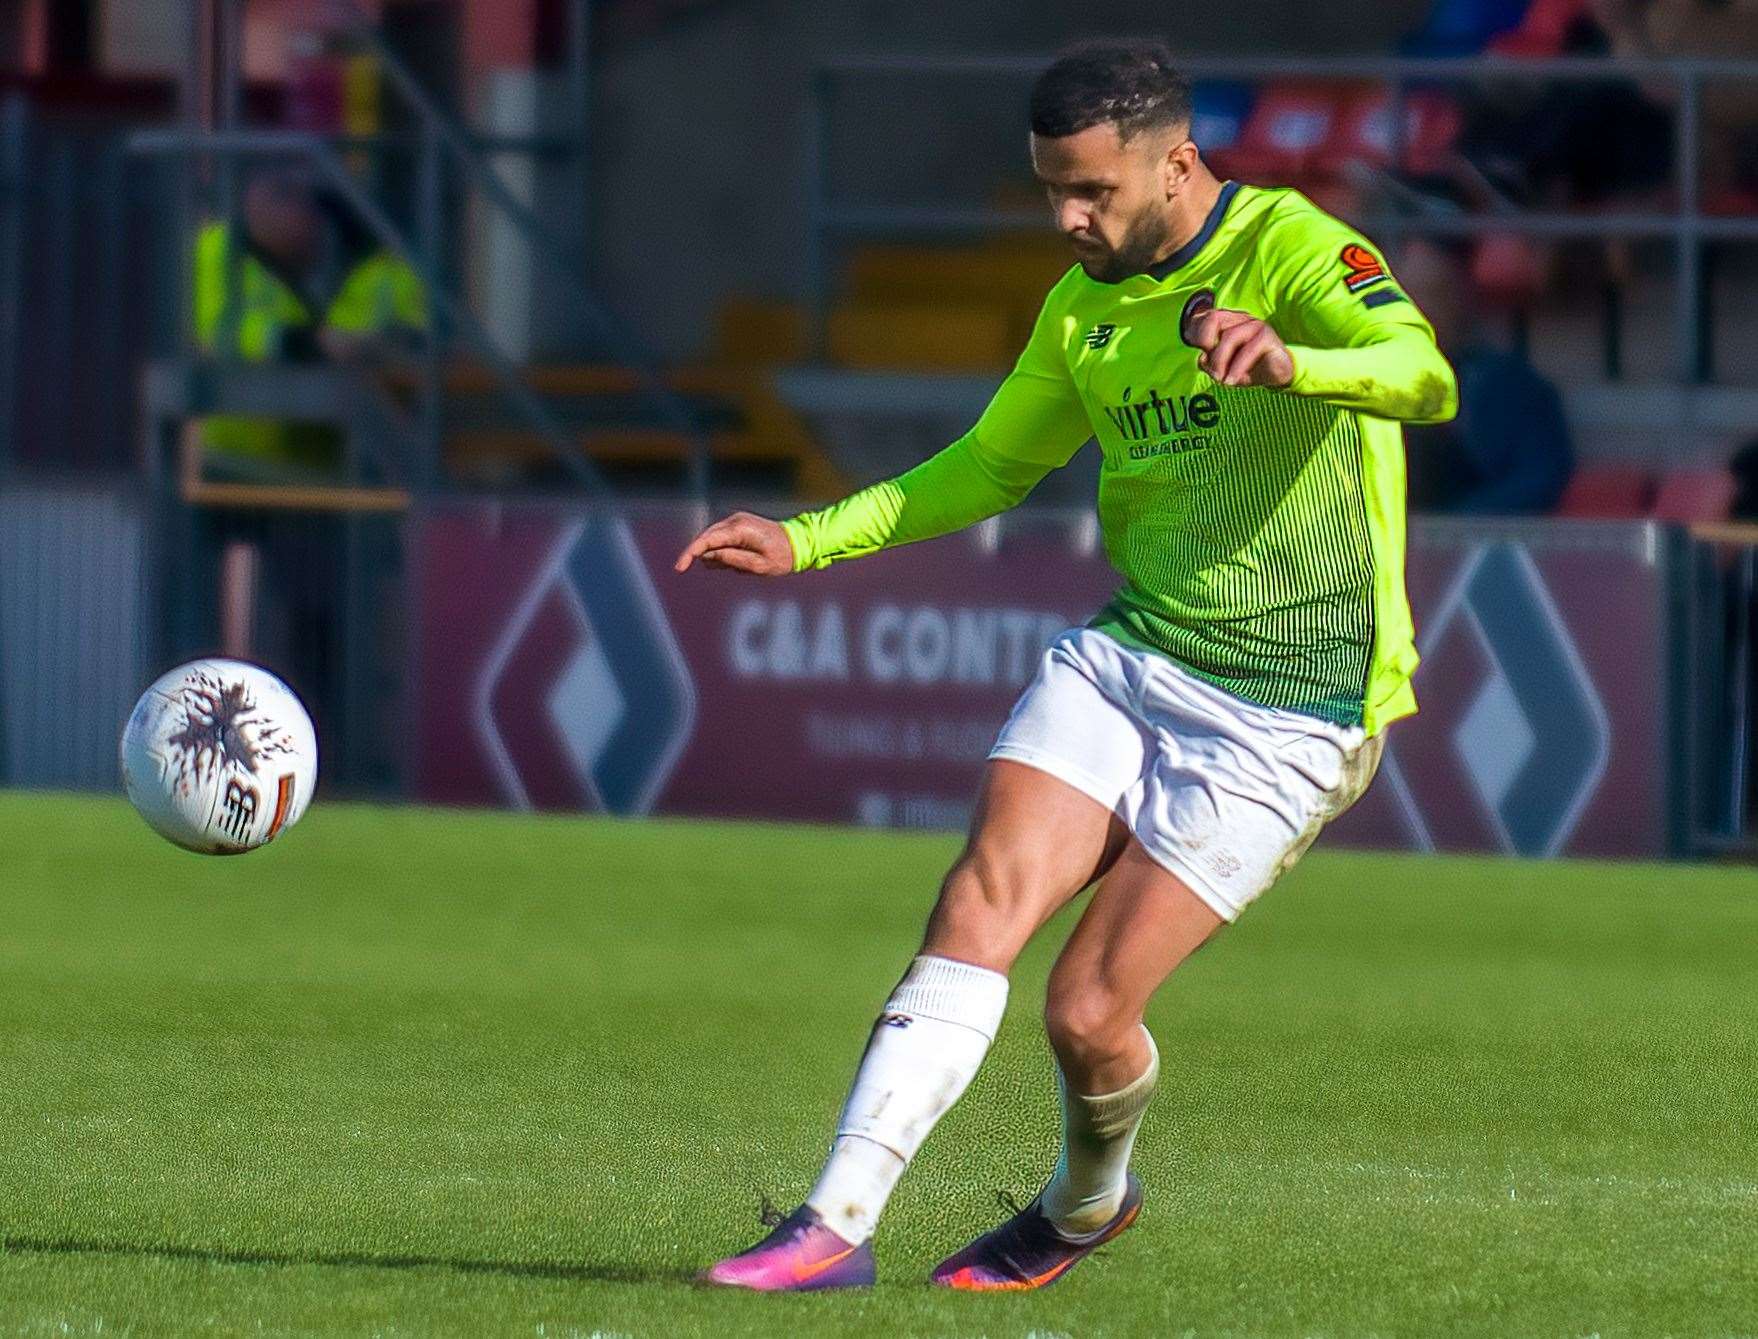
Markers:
(1100, 335)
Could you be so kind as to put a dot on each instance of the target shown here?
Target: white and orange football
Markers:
(220, 757)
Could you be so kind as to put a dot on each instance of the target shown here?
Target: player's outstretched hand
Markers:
(741, 543)
(1238, 349)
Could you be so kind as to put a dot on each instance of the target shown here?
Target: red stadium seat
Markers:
(1734, 202)
(1542, 32)
(1281, 139)
(1608, 492)
(1507, 270)
(1694, 496)
(1362, 131)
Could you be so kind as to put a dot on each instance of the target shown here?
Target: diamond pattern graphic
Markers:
(586, 706)
(587, 702)
(1495, 740)
(1531, 738)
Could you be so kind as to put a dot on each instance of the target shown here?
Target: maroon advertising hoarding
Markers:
(563, 665)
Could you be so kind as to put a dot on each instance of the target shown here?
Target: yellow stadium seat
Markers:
(760, 332)
(922, 336)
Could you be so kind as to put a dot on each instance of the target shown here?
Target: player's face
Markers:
(281, 219)
(1110, 197)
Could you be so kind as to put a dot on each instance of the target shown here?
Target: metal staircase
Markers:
(447, 155)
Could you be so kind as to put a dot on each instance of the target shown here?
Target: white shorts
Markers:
(1224, 793)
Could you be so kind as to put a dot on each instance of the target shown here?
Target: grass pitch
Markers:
(417, 1073)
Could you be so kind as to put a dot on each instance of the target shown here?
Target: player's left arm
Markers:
(1351, 335)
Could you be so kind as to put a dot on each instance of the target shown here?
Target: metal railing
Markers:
(14, 132)
(1688, 228)
(1718, 673)
(441, 133)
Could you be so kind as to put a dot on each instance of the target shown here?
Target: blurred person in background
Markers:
(1598, 142)
(1569, 143)
(1704, 29)
(298, 280)
(12, 24)
(1743, 465)
(1508, 452)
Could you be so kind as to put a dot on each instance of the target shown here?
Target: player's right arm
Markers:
(1034, 424)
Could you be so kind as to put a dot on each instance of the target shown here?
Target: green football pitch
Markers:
(423, 1073)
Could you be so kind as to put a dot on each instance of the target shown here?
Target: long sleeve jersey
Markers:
(1258, 534)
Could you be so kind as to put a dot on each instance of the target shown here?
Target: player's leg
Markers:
(1045, 826)
(1233, 795)
(1142, 922)
(1035, 842)
(1236, 794)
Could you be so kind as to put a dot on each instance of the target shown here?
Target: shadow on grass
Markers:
(524, 1269)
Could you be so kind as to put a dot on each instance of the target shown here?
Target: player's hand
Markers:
(1238, 349)
(741, 543)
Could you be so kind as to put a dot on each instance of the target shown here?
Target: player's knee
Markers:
(1089, 1025)
(985, 912)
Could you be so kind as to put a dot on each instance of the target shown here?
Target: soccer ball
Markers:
(219, 757)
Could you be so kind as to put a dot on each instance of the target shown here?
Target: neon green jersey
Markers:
(1259, 533)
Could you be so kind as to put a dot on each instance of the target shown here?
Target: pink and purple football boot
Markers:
(1028, 1250)
(800, 1255)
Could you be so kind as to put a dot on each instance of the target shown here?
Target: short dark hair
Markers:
(1134, 85)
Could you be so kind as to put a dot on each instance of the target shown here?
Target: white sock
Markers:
(923, 1053)
(1098, 1133)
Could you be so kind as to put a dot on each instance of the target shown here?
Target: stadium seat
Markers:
(894, 272)
(1218, 115)
(1543, 31)
(1281, 138)
(757, 332)
(1694, 496)
(1734, 202)
(1507, 270)
(923, 336)
(1608, 492)
(750, 432)
(1462, 27)
(1362, 131)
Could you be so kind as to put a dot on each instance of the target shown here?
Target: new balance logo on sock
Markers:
(931, 1035)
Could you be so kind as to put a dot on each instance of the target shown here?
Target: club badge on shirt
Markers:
(1364, 268)
(1203, 300)
(1366, 278)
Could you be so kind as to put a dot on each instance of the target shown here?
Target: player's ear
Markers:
(1178, 164)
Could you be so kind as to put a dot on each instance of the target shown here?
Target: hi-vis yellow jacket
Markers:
(380, 292)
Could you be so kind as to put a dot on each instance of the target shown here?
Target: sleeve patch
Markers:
(1383, 296)
(1364, 268)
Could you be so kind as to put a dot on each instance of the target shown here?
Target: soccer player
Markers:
(1244, 361)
